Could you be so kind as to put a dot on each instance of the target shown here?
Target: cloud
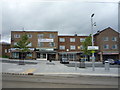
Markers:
(66, 17)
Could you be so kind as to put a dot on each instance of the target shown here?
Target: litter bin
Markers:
(107, 65)
(82, 63)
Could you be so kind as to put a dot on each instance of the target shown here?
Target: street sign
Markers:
(93, 47)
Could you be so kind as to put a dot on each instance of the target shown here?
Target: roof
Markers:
(67, 35)
(104, 30)
(34, 31)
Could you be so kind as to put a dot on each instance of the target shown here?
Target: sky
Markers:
(65, 16)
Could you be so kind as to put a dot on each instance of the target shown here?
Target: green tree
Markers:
(22, 44)
(86, 43)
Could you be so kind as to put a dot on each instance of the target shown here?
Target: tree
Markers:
(22, 44)
(86, 43)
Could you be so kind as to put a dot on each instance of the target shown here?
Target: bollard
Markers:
(107, 65)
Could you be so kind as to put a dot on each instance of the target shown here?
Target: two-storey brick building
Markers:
(70, 46)
(43, 44)
(108, 41)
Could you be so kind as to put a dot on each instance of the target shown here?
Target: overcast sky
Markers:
(66, 17)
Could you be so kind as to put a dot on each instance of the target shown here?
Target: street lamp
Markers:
(93, 57)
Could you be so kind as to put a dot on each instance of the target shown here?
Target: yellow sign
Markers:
(92, 51)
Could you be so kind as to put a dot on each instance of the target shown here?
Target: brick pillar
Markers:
(101, 56)
(34, 55)
(56, 56)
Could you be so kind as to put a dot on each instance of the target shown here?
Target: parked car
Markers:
(117, 62)
(64, 61)
(111, 61)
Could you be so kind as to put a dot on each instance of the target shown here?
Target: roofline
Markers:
(31, 31)
(70, 36)
(104, 30)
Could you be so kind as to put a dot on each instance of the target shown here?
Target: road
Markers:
(46, 81)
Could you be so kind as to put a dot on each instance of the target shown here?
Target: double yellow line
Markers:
(29, 70)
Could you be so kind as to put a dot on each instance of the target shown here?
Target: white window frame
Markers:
(106, 46)
(72, 39)
(105, 38)
(40, 35)
(51, 44)
(114, 38)
(62, 47)
(114, 46)
(72, 47)
(62, 39)
(82, 39)
(29, 35)
(81, 47)
(41, 45)
(16, 35)
(51, 36)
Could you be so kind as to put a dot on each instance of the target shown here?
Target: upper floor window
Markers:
(51, 44)
(29, 45)
(29, 35)
(72, 47)
(72, 39)
(62, 39)
(40, 35)
(114, 38)
(105, 38)
(82, 39)
(51, 36)
(15, 43)
(114, 47)
(40, 44)
(61, 47)
(17, 36)
(106, 46)
(81, 47)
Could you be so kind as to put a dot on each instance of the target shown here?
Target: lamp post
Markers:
(93, 57)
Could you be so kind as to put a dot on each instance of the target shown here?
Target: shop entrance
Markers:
(41, 56)
(51, 57)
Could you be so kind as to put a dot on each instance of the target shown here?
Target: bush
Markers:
(5, 56)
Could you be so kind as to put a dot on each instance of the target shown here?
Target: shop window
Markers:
(15, 55)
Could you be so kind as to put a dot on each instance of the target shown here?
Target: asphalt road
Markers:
(45, 81)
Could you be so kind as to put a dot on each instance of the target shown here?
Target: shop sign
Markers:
(93, 48)
(45, 40)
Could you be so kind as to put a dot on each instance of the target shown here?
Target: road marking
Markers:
(29, 70)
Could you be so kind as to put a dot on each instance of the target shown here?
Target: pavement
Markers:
(55, 68)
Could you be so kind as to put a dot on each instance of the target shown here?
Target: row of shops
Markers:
(54, 55)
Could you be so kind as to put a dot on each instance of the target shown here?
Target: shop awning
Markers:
(109, 53)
